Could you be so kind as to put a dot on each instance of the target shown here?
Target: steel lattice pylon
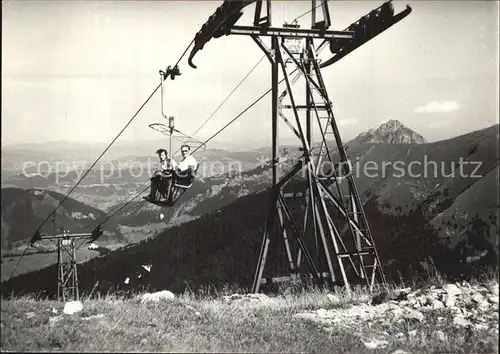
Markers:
(318, 217)
(328, 237)
(67, 272)
(337, 251)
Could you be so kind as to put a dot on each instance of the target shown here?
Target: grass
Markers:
(181, 325)
(207, 322)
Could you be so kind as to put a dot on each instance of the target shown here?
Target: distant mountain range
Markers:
(80, 155)
(23, 166)
(422, 200)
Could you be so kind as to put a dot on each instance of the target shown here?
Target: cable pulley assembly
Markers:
(37, 236)
(96, 233)
(218, 24)
(172, 72)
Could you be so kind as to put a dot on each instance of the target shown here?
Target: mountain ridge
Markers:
(23, 210)
(391, 132)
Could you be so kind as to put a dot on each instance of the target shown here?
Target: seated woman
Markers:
(163, 176)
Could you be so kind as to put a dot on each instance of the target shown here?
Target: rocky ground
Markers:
(388, 318)
(405, 317)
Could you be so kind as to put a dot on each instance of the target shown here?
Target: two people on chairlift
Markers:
(180, 174)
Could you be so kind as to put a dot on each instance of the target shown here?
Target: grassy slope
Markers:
(204, 323)
(481, 146)
(479, 202)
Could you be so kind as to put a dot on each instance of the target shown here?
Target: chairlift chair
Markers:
(168, 193)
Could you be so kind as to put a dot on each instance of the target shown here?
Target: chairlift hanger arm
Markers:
(160, 127)
(164, 129)
(177, 135)
(186, 138)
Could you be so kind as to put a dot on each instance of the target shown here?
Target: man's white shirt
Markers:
(189, 161)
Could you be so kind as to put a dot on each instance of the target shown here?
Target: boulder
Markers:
(157, 296)
(72, 307)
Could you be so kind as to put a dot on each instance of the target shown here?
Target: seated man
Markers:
(162, 176)
(186, 169)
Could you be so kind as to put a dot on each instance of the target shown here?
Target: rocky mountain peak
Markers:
(391, 132)
(391, 126)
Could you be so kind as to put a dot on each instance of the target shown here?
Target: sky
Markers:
(78, 71)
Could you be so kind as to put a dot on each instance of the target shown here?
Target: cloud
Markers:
(438, 107)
